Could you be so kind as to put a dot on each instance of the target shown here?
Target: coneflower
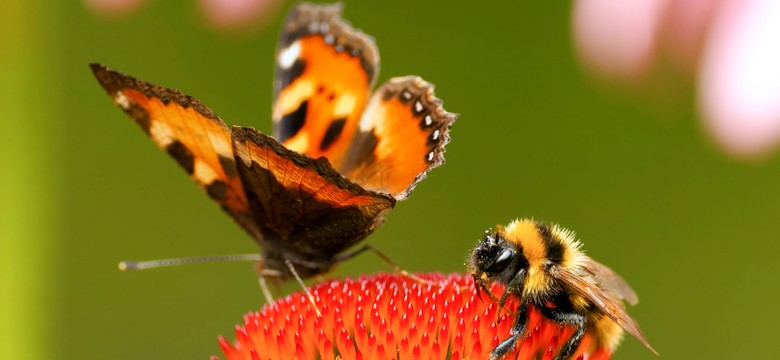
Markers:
(390, 316)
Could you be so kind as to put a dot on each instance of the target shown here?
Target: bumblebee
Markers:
(543, 265)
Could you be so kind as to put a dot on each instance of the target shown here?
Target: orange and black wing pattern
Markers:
(324, 73)
(295, 207)
(304, 207)
(188, 131)
(341, 161)
(401, 136)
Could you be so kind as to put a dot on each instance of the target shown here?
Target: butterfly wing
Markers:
(401, 136)
(187, 130)
(324, 73)
(294, 206)
(306, 209)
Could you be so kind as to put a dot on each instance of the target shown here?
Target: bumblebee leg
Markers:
(483, 286)
(515, 334)
(570, 318)
(514, 286)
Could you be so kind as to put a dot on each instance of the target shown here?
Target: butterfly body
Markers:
(340, 158)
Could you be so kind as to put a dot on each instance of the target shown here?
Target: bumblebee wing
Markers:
(609, 305)
(610, 281)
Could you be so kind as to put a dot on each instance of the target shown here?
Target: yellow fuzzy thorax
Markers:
(525, 233)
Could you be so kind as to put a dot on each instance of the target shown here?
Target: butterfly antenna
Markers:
(129, 265)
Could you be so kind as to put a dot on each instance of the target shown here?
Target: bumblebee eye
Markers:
(501, 262)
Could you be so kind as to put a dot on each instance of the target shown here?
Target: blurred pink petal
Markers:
(233, 13)
(686, 25)
(739, 80)
(114, 7)
(617, 38)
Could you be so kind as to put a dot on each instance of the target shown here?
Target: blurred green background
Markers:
(693, 230)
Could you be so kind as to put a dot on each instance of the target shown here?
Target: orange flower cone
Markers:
(390, 316)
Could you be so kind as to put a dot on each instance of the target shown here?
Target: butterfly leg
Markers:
(562, 316)
(302, 284)
(261, 280)
(345, 256)
(263, 275)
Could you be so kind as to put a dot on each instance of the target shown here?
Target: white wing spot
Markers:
(161, 133)
(204, 173)
(428, 120)
(372, 114)
(345, 105)
(418, 106)
(122, 100)
(436, 135)
(329, 39)
(430, 156)
(406, 95)
(288, 56)
(221, 145)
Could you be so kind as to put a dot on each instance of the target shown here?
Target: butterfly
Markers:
(339, 159)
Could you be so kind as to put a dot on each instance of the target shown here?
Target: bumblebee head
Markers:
(495, 259)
